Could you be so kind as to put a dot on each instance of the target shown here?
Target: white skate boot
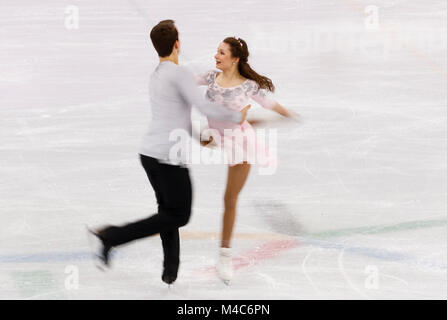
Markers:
(225, 265)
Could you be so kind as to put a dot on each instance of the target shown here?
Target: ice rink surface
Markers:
(357, 208)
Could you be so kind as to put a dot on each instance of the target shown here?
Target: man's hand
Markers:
(244, 113)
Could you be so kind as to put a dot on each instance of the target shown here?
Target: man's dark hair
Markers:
(163, 37)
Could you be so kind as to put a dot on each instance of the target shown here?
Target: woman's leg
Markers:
(237, 175)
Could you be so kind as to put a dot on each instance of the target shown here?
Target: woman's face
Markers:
(223, 57)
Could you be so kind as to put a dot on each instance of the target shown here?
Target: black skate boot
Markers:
(169, 272)
(102, 248)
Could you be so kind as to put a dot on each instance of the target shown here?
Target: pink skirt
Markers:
(242, 143)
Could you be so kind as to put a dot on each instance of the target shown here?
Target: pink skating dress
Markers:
(239, 141)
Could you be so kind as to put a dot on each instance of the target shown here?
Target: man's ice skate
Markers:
(169, 273)
(225, 265)
(100, 247)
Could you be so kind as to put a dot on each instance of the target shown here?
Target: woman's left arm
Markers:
(283, 111)
(267, 102)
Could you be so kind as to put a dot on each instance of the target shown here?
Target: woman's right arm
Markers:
(202, 78)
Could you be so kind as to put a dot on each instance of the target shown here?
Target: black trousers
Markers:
(172, 186)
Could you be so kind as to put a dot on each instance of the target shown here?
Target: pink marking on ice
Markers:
(254, 256)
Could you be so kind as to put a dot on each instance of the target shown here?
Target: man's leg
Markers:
(171, 246)
(173, 190)
(171, 250)
(170, 239)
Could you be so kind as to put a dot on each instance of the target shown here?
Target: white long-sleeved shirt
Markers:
(173, 91)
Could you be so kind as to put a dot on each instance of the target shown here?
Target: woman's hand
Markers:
(286, 116)
(205, 143)
(244, 113)
(257, 122)
(207, 140)
(284, 112)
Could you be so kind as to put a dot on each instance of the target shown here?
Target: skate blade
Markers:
(100, 266)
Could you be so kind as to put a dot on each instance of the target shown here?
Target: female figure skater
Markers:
(233, 87)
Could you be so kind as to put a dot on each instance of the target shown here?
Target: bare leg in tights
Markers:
(237, 175)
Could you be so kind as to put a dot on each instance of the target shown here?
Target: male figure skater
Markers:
(172, 92)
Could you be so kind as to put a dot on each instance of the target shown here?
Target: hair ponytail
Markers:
(239, 49)
(263, 82)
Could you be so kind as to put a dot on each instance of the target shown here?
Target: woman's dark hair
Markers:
(239, 49)
(163, 37)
